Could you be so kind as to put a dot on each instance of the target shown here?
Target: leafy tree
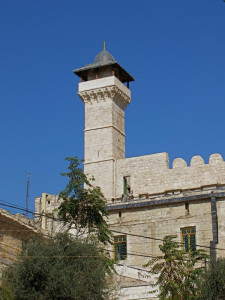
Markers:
(6, 294)
(213, 285)
(178, 276)
(60, 269)
(83, 207)
(193, 271)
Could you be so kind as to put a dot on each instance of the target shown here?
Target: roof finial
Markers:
(104, 45)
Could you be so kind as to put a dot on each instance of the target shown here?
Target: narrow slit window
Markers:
(187, 212)
(126, 185)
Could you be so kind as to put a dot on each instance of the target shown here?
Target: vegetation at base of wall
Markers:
(83, 207)
(62, 268)
(213, 283)
(179, 273)
(5, 293)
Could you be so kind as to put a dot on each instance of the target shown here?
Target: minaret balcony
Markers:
(103, 87)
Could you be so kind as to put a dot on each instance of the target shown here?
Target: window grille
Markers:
(188, 237)
(120, 247)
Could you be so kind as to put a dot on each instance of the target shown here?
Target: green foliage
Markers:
(193, 271)
(60, 269)
(178, 276)
(213, 285)
(83, 207)
(5, 293)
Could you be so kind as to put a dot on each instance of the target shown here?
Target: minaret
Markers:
(106, 97)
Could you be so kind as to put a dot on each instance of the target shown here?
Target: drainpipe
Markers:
(215, 240)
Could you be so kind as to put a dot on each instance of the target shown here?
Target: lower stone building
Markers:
(196, 216)
(15, 231)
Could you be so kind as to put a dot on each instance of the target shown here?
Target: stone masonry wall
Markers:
(46, 208)
(15, 230)
(104, 175)
(104, 139)
(150, 174)
(157, 222)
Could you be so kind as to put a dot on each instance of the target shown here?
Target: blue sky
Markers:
(174, 49)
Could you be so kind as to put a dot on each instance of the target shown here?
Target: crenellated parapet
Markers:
(179, 163)
(150, 174)
(197, 160)
(215, 159)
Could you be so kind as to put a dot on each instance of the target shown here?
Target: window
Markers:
(126, 185)
(120, 247)
(188, 237)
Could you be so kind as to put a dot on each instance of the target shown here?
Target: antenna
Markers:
(27, 195)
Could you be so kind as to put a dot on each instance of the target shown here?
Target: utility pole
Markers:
(27, 195)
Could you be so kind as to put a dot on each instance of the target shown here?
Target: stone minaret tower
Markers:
(105, 96)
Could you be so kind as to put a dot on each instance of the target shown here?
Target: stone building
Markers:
(15, 230)
(146, 199)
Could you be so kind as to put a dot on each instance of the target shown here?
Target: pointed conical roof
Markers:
(103, 59)
(104, 56)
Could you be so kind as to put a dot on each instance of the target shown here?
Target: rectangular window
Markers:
(120, 247)
(188, 238)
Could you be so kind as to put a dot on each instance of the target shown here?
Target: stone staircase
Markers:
(133, 283)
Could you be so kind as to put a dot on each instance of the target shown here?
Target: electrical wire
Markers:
(107, 250)
(119, 232)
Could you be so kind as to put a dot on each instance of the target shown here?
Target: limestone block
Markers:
(103, 82)
(179, 163)
(215, 159)
(197, 160)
